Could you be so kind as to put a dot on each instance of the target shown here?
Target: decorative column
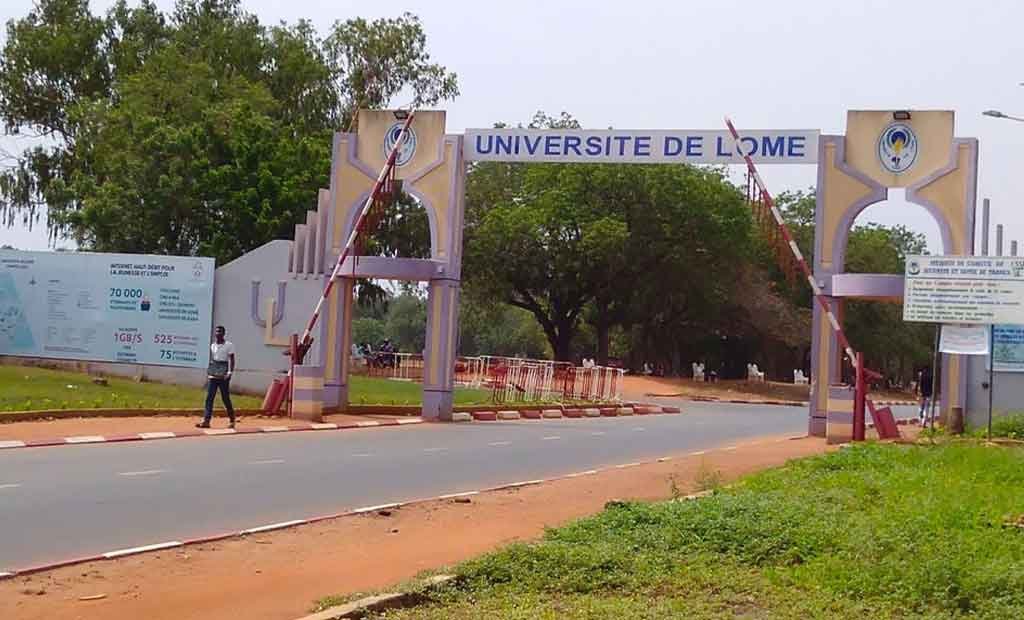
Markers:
(439, 357)
(338, 348)
(308, 393)
(839, 428)
(825, 360)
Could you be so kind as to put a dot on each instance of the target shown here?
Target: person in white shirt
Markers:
(218, 376)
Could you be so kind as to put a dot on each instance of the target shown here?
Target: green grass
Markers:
(1010, 426)
(377, 391)
(26, 388)
(875, 531)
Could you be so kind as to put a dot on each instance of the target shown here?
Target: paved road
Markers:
(72, 501)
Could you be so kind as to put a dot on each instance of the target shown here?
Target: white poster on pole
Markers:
(964, 339)
(131, 308)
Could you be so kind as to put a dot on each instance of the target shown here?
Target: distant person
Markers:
(218, 376)
(924, 388)
(388, 353)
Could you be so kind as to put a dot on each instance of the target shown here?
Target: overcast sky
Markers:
(796, 64)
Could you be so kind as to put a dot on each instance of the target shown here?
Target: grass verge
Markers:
(875, 531)
(27, 388)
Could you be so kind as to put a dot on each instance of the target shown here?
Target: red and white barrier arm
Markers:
(306, 339)
(815, 289)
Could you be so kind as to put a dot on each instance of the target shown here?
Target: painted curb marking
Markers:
(157, 435)
(273, 526)
(85, 439)
(366, 509)
(120, 553)
(455, 495)
(517, 485)
(458, 416)
(219, 431)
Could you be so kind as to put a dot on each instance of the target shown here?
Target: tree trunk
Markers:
(603, 337)
(563, 344)
(560, 338)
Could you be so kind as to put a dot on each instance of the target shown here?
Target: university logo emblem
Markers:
(897, 148)
(913, 268)
(408, 148)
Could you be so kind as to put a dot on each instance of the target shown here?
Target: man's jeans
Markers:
(212, 385)
(922, 414)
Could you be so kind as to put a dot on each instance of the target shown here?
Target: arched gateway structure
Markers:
(916, 150)
(852, 174)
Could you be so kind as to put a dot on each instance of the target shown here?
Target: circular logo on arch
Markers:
(408, 148)
(897, 148)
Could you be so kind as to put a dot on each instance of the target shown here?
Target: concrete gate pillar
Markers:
(442, 340)
(431, 168)
(882, 149)
(339, 316)
(826, 355)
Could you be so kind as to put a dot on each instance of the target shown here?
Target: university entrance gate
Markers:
(881, 149)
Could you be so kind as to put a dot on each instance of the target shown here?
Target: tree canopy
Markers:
(201, 131)
(653, 250)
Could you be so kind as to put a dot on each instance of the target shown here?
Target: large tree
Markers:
(614, 244)
(199, 131)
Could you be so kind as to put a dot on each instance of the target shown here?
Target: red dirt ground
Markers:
(639, 387)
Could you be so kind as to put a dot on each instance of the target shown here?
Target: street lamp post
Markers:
(998, 114)
(991, 328)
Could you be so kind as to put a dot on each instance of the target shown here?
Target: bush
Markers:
(1010, 426)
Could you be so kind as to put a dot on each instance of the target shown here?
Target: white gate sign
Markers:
(132, 308)
(637, 146)
(964, 289)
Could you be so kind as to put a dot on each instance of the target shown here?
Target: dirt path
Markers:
(278, 576)
(50, 429)
(639, 387)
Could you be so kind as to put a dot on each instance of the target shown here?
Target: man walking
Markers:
(924, 388)
(218, 376)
